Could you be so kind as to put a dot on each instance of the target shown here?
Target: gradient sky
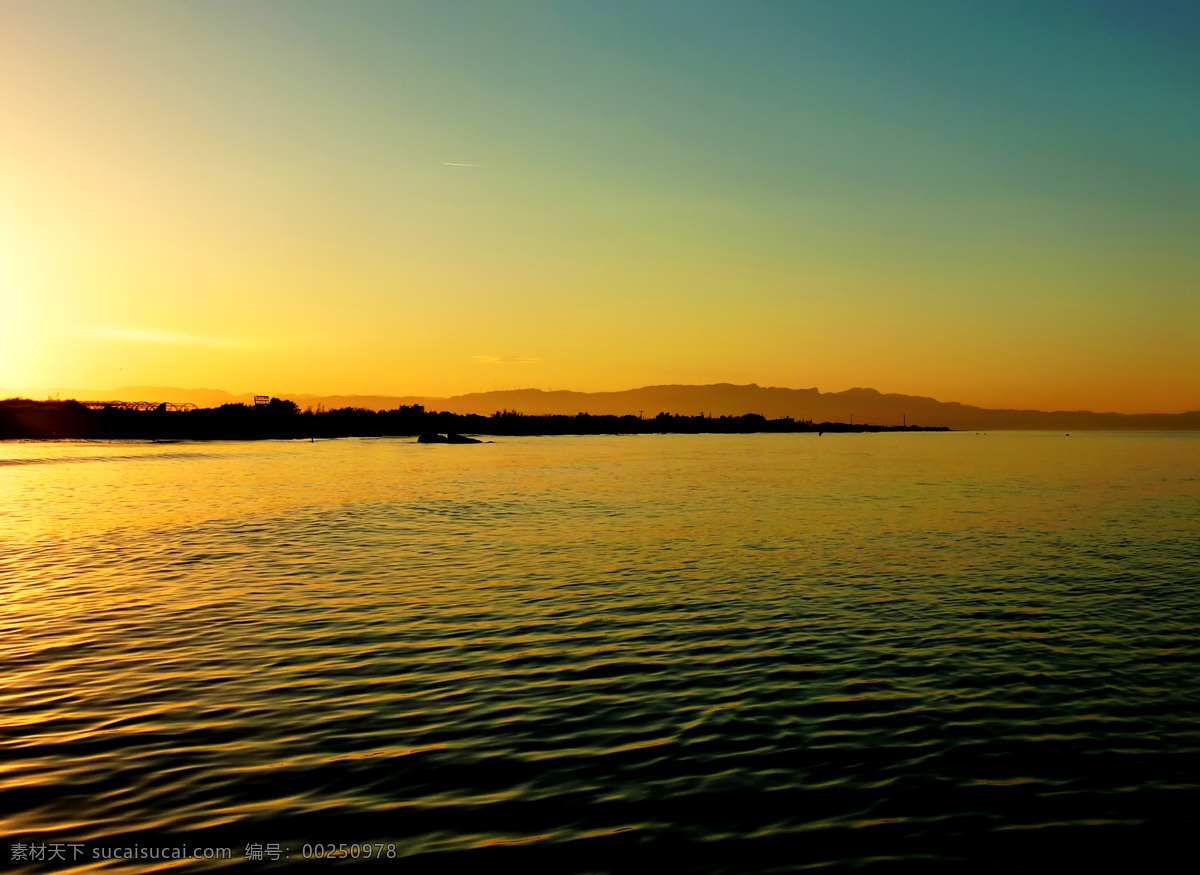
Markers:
(997, 203)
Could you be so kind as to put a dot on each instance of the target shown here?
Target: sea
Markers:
(710, 653)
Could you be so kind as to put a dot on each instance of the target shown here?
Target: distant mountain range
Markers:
(719, 399)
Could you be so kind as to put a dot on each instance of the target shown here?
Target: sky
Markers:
(994, 203)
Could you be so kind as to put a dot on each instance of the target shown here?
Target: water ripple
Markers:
(901, 654)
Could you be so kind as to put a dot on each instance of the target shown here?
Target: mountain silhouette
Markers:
(719, 399)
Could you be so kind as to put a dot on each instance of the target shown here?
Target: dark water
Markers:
(682, 653)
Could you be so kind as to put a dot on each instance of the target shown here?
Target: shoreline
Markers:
(23, 419)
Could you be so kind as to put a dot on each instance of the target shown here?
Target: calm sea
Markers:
(652, 653)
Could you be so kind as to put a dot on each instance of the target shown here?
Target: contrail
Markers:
(456, 164)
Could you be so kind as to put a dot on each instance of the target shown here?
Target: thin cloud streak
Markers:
(163, 338)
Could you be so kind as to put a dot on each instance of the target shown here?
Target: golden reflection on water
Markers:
(1058, 477)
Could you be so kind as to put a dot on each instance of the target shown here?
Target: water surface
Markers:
(704, 652)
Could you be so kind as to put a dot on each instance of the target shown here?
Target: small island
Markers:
(430, 437)
(274, 418)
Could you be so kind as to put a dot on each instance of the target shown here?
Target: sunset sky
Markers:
(995, 203)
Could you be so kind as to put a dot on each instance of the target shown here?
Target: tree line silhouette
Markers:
(279, 418)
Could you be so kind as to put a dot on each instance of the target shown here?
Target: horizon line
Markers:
(43, 394)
